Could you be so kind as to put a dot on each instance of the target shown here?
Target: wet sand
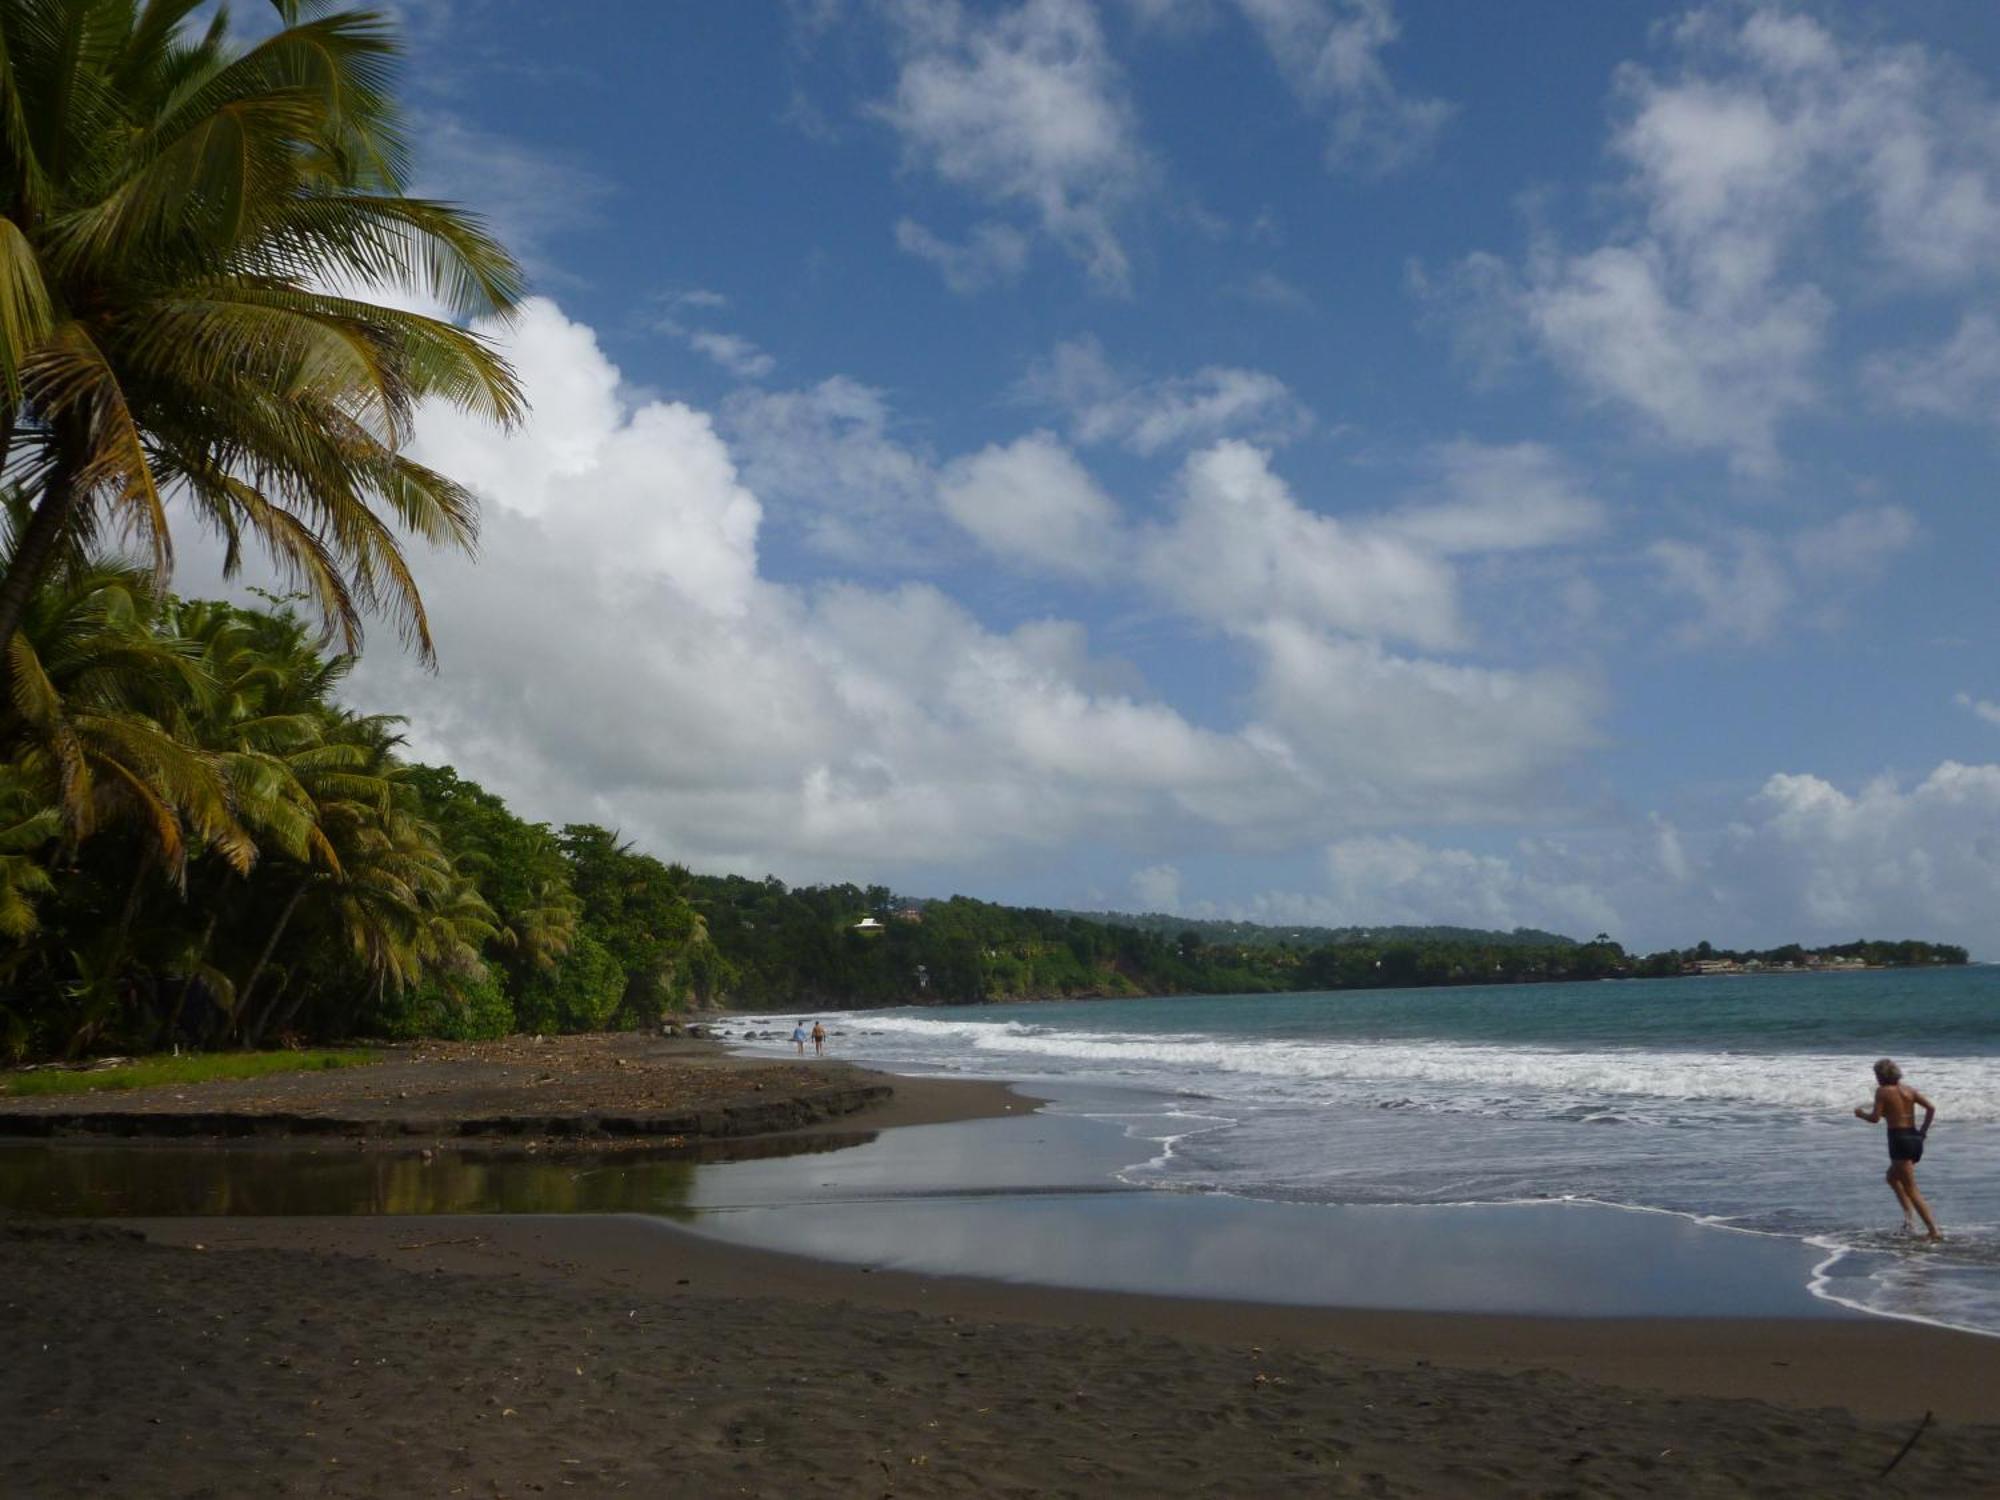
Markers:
(514, 1357)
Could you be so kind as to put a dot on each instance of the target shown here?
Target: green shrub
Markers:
(581, 993)
(466, 1011)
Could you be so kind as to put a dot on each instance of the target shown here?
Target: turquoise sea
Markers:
(1724, 1100)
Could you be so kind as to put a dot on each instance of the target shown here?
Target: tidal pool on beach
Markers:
(959, 1199)
(1028, 1199)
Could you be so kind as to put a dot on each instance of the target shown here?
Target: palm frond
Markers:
(25, 310)
(437, 250)
(72, 384)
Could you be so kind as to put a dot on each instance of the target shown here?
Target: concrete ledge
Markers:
(743, 1117)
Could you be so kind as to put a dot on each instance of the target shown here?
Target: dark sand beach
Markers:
(508, 1355)
(441, 1356)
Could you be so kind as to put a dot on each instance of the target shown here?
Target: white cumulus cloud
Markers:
(1240, 549)
(618, 653)
(735, 353)
(1738, 585)
(1764, 138)
(1958, 377)
(1105, 404)
(1886, 860)
(1803, 860)
(1025, 108)
(1393, 880)
(1392, 733)
(1743, 583)
(990, 255)
(1981, 708)
(1031, 501)
(1500, 498)
(830, 460)
(1158, 888)
(1329, 52)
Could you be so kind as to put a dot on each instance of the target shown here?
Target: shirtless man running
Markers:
(1897, 1102)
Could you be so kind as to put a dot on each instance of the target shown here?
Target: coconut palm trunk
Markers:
(34, 554)
(121, 935)
(253, 1034)
(187, 984)
(241, 1011)
(278, 1015)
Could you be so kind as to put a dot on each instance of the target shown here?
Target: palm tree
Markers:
(340, 775)
(27, 825)
(264, 717)
(190, 237)
(92, 687)
(390, 900)
(541, 930)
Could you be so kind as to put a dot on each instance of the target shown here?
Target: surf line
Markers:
(1820, 1285)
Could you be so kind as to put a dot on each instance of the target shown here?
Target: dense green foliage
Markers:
(1229, 934)
(202, 846)
(1862, 953)
(804, 948)
(788, 948)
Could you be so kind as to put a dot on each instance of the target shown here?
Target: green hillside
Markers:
(1261, 935)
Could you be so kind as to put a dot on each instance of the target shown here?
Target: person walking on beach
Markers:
(819, 1040)
(799, 1037)
(1897, 1102)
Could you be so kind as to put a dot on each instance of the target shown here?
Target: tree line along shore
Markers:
(255, 861)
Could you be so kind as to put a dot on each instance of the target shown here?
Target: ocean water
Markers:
(1726, 1100)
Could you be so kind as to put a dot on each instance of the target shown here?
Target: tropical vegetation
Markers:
(203, 846)
(207, 263)
(1221, 932)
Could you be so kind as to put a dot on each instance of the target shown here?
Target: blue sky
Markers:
(1313, 460)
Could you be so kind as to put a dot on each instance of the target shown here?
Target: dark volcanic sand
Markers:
(498, 1357)
(622, 1074)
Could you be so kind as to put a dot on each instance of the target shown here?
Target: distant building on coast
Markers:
(1811, 962)
(869, 924)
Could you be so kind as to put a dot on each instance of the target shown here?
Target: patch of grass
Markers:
(193, 1068)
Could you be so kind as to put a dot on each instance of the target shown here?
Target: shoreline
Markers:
(920, 1001)
(508, 1357)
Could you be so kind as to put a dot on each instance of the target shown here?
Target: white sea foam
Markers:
(1951, 1285)
(1457, 1075)
(1756, 1141)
